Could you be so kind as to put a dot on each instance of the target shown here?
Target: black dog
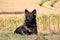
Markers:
(29, 26)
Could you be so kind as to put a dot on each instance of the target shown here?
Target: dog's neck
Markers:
(31, 23)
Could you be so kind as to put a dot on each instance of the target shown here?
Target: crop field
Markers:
(48, 27)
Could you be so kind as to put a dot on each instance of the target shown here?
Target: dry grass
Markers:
(9, 23)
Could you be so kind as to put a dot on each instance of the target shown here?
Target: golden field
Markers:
(45, 23)
(48, 26)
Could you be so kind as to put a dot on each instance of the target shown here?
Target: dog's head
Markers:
(30, 15)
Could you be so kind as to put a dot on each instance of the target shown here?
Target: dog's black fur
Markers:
(29, 26)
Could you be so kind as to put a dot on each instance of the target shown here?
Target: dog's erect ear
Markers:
(34, 11)
(26, 11)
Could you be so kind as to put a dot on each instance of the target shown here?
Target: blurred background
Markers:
(12, 16)
(21, 5)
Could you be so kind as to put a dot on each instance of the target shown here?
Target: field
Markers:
(48, 27)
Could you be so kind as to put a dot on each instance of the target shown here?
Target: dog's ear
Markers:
(26, 11)
(34, 11)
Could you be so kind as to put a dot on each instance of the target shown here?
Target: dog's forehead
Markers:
(31, 13)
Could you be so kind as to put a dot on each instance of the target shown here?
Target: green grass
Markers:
(11, 36)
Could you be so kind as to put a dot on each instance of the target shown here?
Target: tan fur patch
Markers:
(28, 29)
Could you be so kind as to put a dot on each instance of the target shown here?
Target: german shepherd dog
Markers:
(29, 27)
